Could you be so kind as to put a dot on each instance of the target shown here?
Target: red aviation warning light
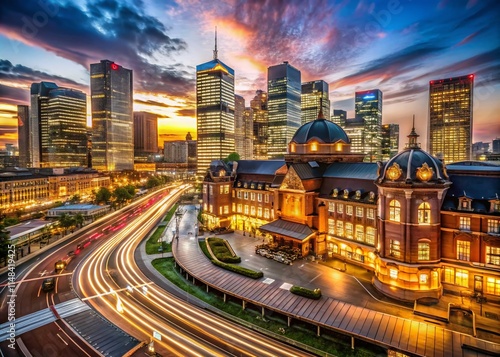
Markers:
(114, 66)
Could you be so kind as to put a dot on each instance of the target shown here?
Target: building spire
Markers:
(215, 50)
(320, 114)
(412, 138)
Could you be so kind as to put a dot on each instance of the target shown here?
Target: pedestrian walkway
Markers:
(410, 335)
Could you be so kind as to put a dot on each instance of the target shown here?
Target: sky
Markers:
(397, 46)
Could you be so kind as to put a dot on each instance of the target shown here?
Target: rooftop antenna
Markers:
(215, 50)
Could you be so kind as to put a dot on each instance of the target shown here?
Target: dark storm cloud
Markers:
(102, 29)
(25, 75)
(393, 65)
(13, 95)
(186, 112)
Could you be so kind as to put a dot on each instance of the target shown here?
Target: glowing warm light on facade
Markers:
(425, 173)
(394, 172)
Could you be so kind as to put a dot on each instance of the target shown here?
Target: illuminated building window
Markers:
(424, 213)
(370, 235)
(259, 211)
(226, 209)
(424, 278)
(245, 195)
(221, 189)
(348, 210)
(424, 251)
(395, 211)
(314, 146)
(234, 207)
(211, 209)
(259, 197)
(463, 250)
(359, 211)
(331, 206)
(238, 194)
(348, 230)
(220, 210)
(393, 273)
(493, 286)
(464, 223)
(252, 210)
(340, 208)
(462, 277)
(204, 206)
(226, 189)
(370, 213)
(346, 193)
(239, 208)
(493, 226)
(492, 255)
(252, 196)
(266, 213)
(292, 147)
(204, 188)
(266, 198)
(210, 190)
(360, 232)
(449, 275)
(232, 194)
(394, 248)
(338, 147)
(245, 210)
(331, 226)
(340, 228)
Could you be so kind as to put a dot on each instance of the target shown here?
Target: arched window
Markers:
(424, 249)
(395, 211)
(424, 213)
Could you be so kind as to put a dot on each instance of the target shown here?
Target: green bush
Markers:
(221, 250)
(308, 293)
(234, 268)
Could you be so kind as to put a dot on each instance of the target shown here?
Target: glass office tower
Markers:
(450, 118)
(58, 126)
(390, 141)
(260, 125)
(314, 95)
(284, 90)
(111, 93)
(368, 108)
(23, 135)
(145, 136)
(214, 112)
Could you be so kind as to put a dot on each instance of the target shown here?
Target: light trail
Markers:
(204, 333)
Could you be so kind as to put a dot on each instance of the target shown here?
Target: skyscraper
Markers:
(390, 140)
(111, 93)
(339, 117)
(450, 118)
(368, 108)
(247, 152)
(214, 111)
(239, 125)
(284, 90)
(260, 125)
(23, 135)
(145, 136)
(58, 126)
(314, 95)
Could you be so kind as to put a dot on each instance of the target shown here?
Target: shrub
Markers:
(308, 293)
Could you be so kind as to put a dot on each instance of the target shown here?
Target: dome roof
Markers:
(413, 165)
(321, 129)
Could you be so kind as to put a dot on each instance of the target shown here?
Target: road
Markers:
(111, 282)
(57, 338)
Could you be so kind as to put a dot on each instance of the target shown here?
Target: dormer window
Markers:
(464, 204)
(335, 193)
(245, 185)
(371, 196)
(292, 147)
(358, 194)
(222, 173)
(346, 193)
(495, 205)
(314, 146)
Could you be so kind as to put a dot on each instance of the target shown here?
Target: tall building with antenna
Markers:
(214, 111)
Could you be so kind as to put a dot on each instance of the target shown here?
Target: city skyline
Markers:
(396, 46)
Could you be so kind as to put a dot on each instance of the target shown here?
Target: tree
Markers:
(131, 190)
(153, 181)
(78, 218)
(121, 195)
(234, 156)
(66, 221)
(10, 221)
(103, 195)
(75, 198)
(4, 242)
